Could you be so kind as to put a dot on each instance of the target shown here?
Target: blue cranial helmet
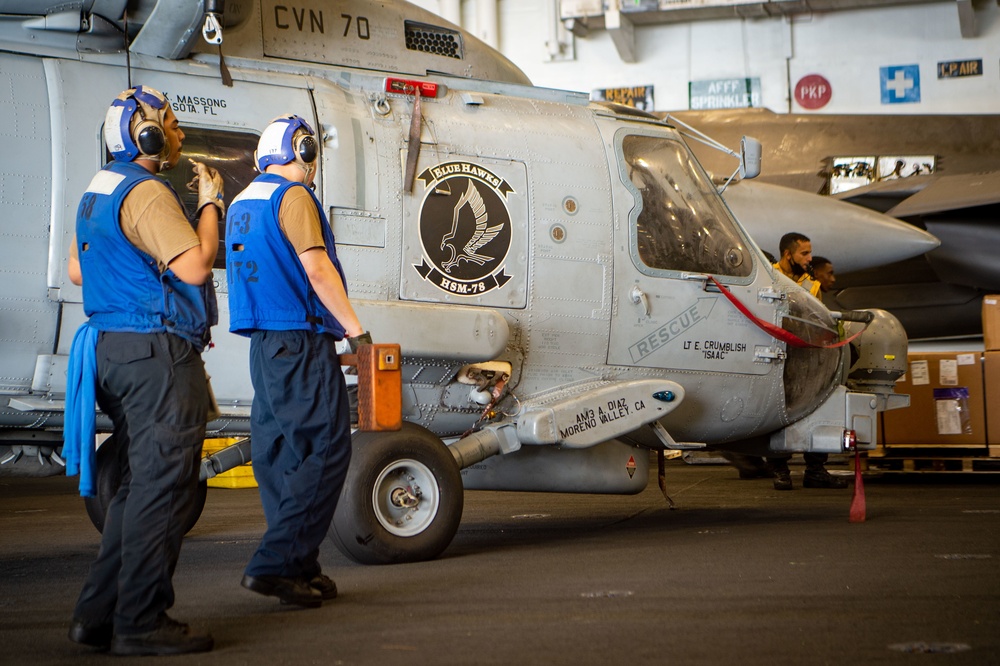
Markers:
(133, 125)
(287, 139)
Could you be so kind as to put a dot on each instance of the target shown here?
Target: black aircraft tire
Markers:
(109, 479)
(369, 526)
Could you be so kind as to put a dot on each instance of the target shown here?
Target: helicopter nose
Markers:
(810, 372)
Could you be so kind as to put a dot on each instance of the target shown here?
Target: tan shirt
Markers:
(154, 223)
(299, 220)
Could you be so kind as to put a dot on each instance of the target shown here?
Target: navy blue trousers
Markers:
(153, 387)
(301, 445)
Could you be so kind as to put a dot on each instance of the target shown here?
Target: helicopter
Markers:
(568, 288)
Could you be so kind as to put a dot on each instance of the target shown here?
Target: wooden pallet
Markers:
(932, 465)
(934, 451)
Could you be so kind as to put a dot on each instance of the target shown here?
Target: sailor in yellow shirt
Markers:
(796, 256)
(795, 251)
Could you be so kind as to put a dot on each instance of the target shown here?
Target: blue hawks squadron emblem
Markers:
(464, 228)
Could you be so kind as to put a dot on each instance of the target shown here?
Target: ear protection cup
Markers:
(287, 139)
(147, 138)
(306, 149)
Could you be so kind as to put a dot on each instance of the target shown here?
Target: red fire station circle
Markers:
(813, 92)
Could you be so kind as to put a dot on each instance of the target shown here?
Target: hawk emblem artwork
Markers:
(480, 237)
(464, 228)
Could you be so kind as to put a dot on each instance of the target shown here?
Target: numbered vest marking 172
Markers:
(241, 271)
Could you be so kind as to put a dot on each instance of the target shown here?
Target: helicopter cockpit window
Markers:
(683, 224)
(231, 153)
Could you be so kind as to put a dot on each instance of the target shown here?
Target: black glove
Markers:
(363, 339)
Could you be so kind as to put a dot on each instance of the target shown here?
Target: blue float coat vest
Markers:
(268, 287)
(123, 289)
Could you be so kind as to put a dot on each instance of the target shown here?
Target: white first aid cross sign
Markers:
(900, 84)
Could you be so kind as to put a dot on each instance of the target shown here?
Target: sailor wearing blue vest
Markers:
(146, 277)
(287, 293)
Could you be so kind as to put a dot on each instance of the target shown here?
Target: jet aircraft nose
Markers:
(853, 237)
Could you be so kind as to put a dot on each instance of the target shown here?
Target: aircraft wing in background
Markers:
(927, 195)
(855, 237)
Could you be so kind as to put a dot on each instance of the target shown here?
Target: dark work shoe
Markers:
(294, 591)
(170, 637)
(822, 479)
(782, 479)
(324, 585)
(94, 635)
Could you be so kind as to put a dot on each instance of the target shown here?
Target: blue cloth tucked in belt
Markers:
(81, 421)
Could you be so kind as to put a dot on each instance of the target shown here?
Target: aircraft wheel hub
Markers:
(405, 497)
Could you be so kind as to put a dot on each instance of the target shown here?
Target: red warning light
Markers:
(410, 86)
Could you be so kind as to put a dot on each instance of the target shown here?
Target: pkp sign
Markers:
(813, 92)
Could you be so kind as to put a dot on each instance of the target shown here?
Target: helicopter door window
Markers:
(682, 224)
(231, 153)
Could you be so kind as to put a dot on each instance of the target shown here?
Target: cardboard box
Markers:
(949, 420)
(991, 322)
(991, 380)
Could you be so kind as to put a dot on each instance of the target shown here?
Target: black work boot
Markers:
(820, 478)
(324, 585)
(782, 479)
(169, 637)
(295, 591)
(94, 635)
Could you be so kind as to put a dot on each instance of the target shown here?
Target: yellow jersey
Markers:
(804, 281)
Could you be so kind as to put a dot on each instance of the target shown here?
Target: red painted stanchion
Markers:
(858, 501)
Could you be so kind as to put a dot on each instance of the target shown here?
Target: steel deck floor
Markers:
(737, 573)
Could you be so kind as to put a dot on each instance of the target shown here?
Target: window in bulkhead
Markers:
(682, 223)
(231, 153)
